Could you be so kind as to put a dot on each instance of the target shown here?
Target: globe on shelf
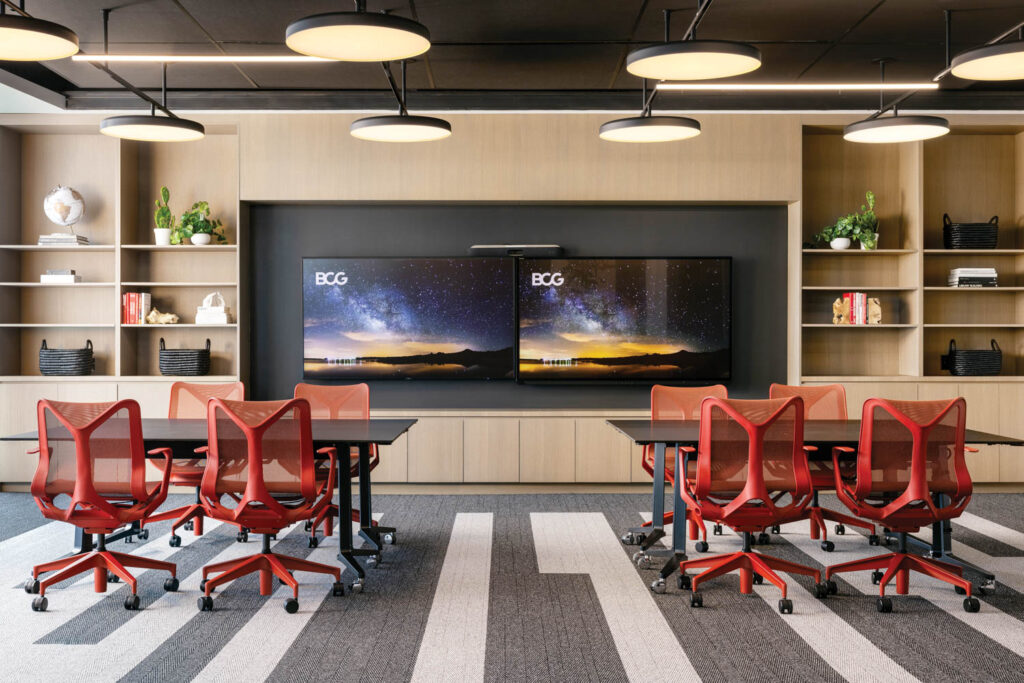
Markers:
(64, 206)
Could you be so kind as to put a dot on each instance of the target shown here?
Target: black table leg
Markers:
(679, 517)
(656, 531)
(347, 554)
(370, 534)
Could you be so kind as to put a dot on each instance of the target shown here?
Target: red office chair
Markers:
(260, 474)
(826, 402)
(749, 451)
(680, 403)
(910, 458)
(93, 454)
(188, 401)
(334, 402)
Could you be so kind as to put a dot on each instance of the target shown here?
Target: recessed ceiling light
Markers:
(400, 128)
(897, 128)
(358, 37)
(152, 128)
(999, 62)
(26, 39)
(785, 87)
(214, 59)
(693, 60)
(650, 129)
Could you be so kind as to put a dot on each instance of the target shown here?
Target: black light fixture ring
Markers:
(152, 120)
(678, 46)
(389, 21)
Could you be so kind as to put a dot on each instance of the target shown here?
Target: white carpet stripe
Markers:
(1009, 571)
(998, 532)
(840, 645)
(454, 644)
(255, 650)
(584, 543)
(32, 547)
(990, 621)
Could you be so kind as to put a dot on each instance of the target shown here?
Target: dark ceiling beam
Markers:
(838, 40)
(628, 42)
(214, 42)
(426, 55)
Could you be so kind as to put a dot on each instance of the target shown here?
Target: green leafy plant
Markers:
(197, 221)
(860, 227)
(163, 217)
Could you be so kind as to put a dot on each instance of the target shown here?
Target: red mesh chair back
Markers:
(94, 454)
(336, 402)
(827, 402)
(681, 403)
(749, 453)
(260, 471)
(909, 451)
(189, 399)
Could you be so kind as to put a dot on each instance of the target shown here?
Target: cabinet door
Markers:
(1011, 423)
(983, 415)
(491, 449)
(394, 462)
(602, 452)
(547, 449)
(435, 450)
(858, 392)
(153, 397)
(636, 470)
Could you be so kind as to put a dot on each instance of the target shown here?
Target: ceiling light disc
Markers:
(150, 128)
(358, 37)
(999, 62)
(650, 129)
(896, 129)
(25, 39)
(400, 129)
(693, 60)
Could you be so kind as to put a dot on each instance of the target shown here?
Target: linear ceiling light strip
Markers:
(793, 87)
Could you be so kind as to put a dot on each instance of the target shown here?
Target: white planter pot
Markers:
(162, 236)
(200, 239)
(865, 248)
(840, 243)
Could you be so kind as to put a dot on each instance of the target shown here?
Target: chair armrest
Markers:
(843, 449)
(160, 492)
(810, 449)
(971, 450)
(332, 454)
(202, 450)
(688, 449)
(34, 451)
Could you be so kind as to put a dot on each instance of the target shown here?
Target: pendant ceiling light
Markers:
(26, 39)
(401, 127)
(895, 128)
(150, 127)
(999, 62)
(690, 59)
(358, 36)
(648, 128)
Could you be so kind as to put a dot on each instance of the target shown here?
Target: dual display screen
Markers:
(502, 318)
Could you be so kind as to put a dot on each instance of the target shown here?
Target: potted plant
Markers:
(197, 226)
(163, 218)
(854, 227)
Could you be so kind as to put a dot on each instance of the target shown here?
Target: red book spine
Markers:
(124, 308)
(132, 306)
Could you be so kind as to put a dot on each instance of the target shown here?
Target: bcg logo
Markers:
(330, 278)
(546, 279)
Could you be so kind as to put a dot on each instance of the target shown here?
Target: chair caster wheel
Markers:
(832, 587)
(313, 542)
(373, 561)
(840, 530)
(131, 603)
(821, 590)
(242, 537)
(873, 540)
(171, 584)
(175, 541)
(696, 600)
(717, 530)
(32, 586)
(683, 582)
(113, 578)
(701, 546)
(883, 605)
(357, 586)
(642, 561)
(658, 586)
(828, 546)
(776, 529)
(628, 538)
(190, 525)
(971, 605)
(202, 585)
(987, 585)
(39, 604)
(205, 603)
(876, 577)
(785, 606)
(143, 534)
(388, 538)
(757, 579)
(308, 526)
(338, 590)
(763, 539)
(291, 605)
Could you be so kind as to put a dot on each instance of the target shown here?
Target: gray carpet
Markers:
(562, 603)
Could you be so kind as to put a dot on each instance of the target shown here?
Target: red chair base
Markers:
(99, 562)
(818, 515)
(747, 563)
(694, 526)
(268, 565)
(181, 516)
(899, 565)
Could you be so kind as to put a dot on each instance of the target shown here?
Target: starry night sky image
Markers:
(415, 317)
(643, 319)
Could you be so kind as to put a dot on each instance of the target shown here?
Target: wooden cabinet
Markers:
(1011, 423)
(435, 450)
(394, 462)
(602, 452)
(491, 449)
(547, 449)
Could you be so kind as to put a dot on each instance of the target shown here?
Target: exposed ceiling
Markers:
(528, 54)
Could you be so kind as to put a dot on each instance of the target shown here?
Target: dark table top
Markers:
(820, 433)
(157, 431)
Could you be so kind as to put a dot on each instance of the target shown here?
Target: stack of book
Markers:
(135, 307)
(60, 276)
(62, 239)
(973, 277)
(856, 306)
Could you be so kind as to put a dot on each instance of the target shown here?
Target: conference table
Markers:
(184, 436)
(823, 434)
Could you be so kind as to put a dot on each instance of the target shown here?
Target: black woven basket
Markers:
(973, 362)
(184, 361)
(66, 361)
(970, 235)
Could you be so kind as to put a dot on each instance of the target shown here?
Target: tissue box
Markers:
(212, 311)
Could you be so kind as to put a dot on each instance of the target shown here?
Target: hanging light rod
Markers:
(895, 128)
(401, 127)
(153, 128)
(201, 59)
(768, 87)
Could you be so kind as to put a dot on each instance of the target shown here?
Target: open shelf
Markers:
(880, 326)
(180, 284)
(851, 288)
(183, 248)
(75, 285)
(40, 247)
(59, 325)
(175, 326)
(859, 252)
(973, 252)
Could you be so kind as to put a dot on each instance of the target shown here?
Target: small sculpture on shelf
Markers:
(155, 317)
(840, 312)
(874, 311)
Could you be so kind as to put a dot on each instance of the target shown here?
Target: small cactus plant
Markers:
(163, 217)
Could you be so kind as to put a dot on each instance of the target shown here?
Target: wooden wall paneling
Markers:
(794, 282)
(859, 392)
(65, 305)
(637, 475)
(852, 269)
(864, 351)
(547, 450)
(10, 192)
(491, 449)
(154, 397)
(435, 450)
(602, 452)
(93, 266)
(1011, 423)
(982, 414)
(394, 462)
